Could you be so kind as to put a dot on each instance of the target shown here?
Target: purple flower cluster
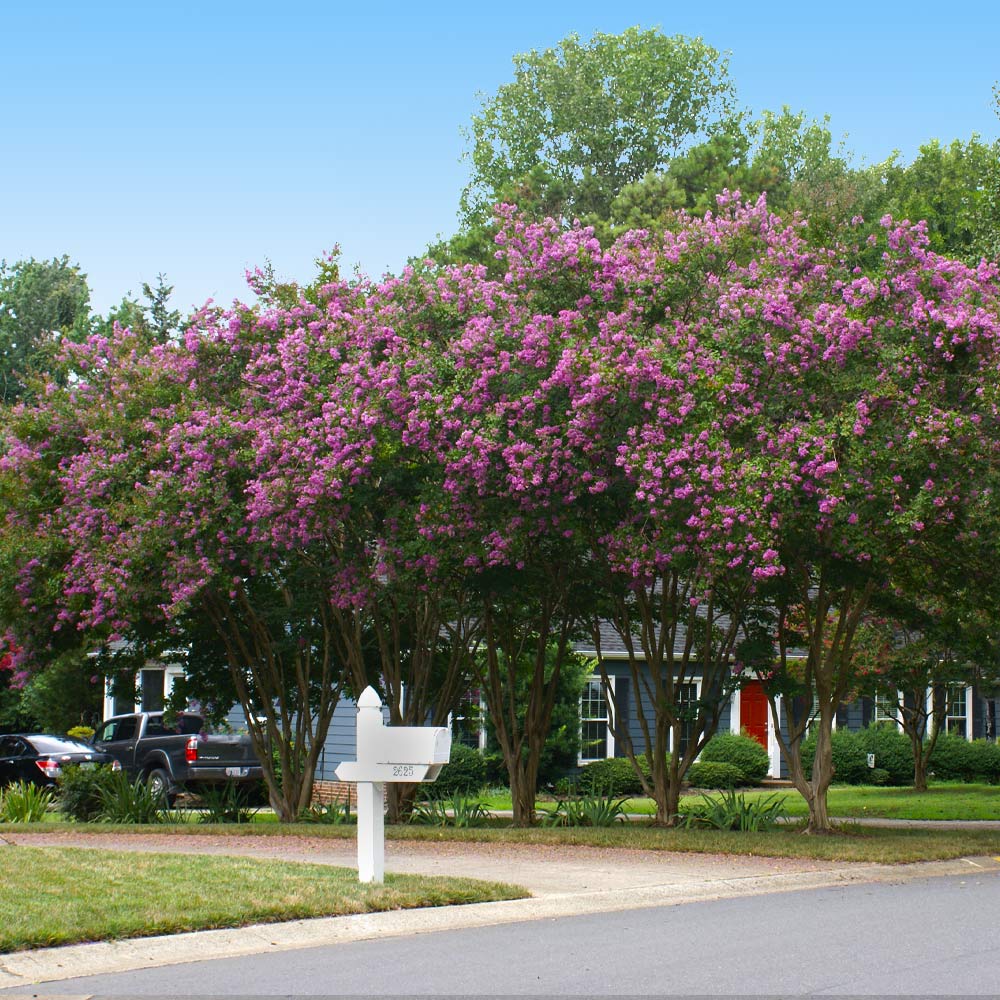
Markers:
(721, 400)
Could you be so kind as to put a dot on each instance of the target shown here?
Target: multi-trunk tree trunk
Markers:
(922, 723)
(522, 658)
(288, 691)
(679, 648)
(418, 654)
(821, 620)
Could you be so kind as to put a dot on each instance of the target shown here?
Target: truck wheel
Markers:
(159, 785)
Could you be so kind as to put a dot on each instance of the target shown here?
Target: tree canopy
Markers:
(41, 302)
(596, 115)
(723, 412)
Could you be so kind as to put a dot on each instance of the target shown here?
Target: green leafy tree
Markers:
(562, 746)
(597, 115)
(948, 187)
(41, 303)
(164, 322)
(67, 693)
(908, 666)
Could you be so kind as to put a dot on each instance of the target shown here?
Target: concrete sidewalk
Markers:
(564, 881)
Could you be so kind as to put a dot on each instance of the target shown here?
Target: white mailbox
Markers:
(387, 753)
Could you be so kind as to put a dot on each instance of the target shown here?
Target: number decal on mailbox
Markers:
(402, 770)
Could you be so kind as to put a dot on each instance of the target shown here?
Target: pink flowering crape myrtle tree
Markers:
(344, 467)
(153, 515)
(871, 374)
(498, 416)
(687, 535)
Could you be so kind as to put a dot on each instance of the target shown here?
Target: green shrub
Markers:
(892, 750)
(464, 774)
(714, 774)
(80, 792)
(24, 802)
(614, 776)
(987, 761)
(953, 759)
(81, 733)
(741, 751)
(496, 770)
(850, 761)
(879, 776)
(956, 759)
(733, 811)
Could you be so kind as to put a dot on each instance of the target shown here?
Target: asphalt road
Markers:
(936, 936)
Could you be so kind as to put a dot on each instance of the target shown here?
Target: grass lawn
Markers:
(851, 843)
(52, 896)
(945, 801)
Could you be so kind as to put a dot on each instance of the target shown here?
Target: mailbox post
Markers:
(398, 753)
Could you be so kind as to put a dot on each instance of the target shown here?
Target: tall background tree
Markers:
(596, 116)
(41, 303)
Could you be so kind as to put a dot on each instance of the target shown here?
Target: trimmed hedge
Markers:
(465, 773)
(714, 774)
(742, 751)
(956, 759)
(850, 760)
(893, 753)
(614, 776)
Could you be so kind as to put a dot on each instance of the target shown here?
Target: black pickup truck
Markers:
(177, 757)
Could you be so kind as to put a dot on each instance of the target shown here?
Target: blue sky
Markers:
(199, 139)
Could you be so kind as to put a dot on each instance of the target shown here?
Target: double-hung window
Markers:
(885, 708)
(597, 742)
(687, 704)
(468, 722)
(956, 719)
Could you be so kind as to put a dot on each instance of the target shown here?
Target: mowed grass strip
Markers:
(53, 896)
(851, 841)
(953, 801)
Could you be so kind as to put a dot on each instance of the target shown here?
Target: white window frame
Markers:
(697, 697)
(171, 673)
(895, 718)
(966, 700)
(481, 735)
(608, 692)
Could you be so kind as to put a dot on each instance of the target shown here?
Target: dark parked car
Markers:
(40, 757)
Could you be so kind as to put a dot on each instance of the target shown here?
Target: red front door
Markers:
(753, 711)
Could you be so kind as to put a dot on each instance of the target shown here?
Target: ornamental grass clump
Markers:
(734, 811)
(458, 811)
(126, 801)
(23, 802)
(587, 810)
(226, 804)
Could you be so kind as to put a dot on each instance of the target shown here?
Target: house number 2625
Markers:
(402, 770)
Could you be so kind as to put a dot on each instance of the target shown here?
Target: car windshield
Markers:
(59, 744)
